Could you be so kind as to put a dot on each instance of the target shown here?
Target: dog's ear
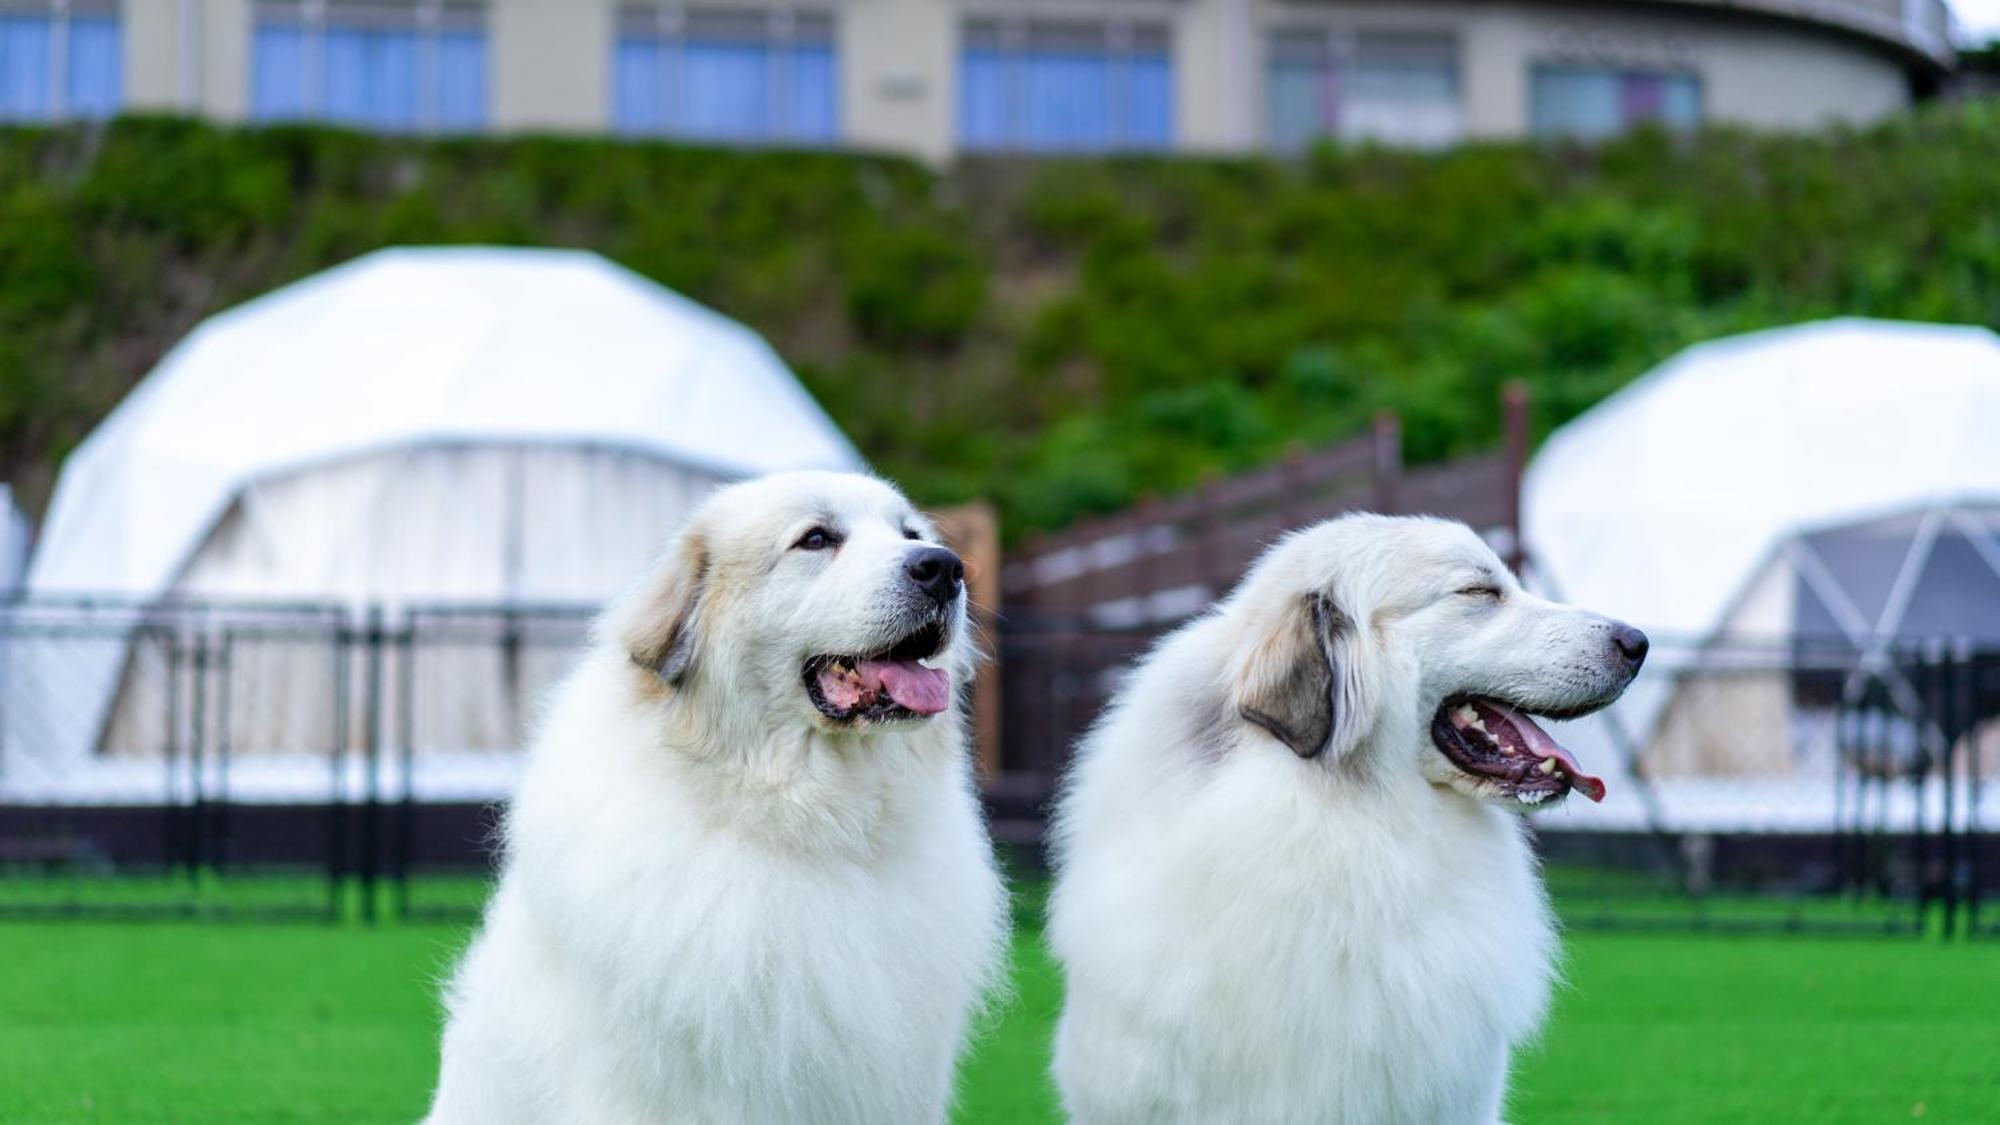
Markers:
(659, 625)
(1301, 679)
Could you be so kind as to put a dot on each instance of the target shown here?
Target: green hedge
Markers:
(1059, 335)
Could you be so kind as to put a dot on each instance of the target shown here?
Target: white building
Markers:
(939, 77)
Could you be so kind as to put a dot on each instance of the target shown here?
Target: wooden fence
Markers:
(1078, 604)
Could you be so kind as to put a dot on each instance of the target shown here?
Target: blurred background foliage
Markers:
(1061, 336)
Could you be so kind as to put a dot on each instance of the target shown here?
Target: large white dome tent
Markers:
(1791, 513)
(417, 429)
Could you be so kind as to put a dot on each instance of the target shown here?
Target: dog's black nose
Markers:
(935, 571)
(1632, 644)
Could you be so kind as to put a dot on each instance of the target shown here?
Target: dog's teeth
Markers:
(1480, 726)
(1465, 714)
(1548, 765)
(928, 661)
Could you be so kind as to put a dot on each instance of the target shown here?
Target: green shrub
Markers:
(1062, 335)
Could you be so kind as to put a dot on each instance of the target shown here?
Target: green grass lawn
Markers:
(212, 1023)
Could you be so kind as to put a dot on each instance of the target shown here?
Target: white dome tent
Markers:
(1790, 513)
(418, 428)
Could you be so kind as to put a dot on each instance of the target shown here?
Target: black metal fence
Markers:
(299, 761)
(308, 762)
(1823, 786)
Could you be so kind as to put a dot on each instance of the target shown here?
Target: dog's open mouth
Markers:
(895, 683)
(1506, 749)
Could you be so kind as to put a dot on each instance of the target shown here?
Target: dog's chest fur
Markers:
(1309, 956)
(688, 963)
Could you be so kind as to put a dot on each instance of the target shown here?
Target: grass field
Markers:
(186, 1022)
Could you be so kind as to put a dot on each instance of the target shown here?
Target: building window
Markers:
(1591, 102)
(393, 65)
(1053, 85)
(59, 58)
(1396, 88)
(726, 74)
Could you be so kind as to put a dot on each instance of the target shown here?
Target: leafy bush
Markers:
(1061, 335)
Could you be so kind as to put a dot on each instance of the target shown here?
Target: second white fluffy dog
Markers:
(746, 876)
(1291, 887)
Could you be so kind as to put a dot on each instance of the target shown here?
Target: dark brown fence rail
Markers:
(1165, 558)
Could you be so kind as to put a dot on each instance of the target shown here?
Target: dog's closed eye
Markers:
(1488, 593)
(817, 539)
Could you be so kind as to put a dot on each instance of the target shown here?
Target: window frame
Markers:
(1125, 36)
(1342, 46)
(61, 15)
(1623, 73)
(781, 28)
(428, 20)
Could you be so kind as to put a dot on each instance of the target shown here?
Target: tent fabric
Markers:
(419, 431)
(1658, 505)
(1776, 509)
(418, 346)
(500, 523)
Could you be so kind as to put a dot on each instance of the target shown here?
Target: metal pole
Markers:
(406, 725)
(1516, 420)
(170, 796)
(371, 746)
(1974, 843)
(336, 803)
(224, 708)
(197, 735)
(1387, 462)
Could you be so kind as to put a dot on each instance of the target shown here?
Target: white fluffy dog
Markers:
(746, 875)
(1290, 884)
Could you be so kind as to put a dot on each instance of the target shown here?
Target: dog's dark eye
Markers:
(911, 533)
(818, 539)
(1490, 593)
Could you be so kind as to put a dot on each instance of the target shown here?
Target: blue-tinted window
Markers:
(57, 63)
(1064, 86)
(736, 75)
(96, 65)
(383, 65)
(1395, 88)
(1591, 102)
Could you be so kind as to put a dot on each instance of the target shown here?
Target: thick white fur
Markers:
(717, 906)
(1250, 935)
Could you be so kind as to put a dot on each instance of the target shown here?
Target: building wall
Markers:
(550, 61)
(898, 70)
(153, 50)
(1753, 71)
(550, 64)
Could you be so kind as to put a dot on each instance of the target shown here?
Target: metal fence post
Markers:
(406, 748)
(371, 750)
(224, 707)
(1516, 420)
(1386, 464)
(336, 805)
(197, 738)
(170, 815)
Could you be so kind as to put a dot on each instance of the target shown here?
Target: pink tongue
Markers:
(1538, 743)
(926, 691)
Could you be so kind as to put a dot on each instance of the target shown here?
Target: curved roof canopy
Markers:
(410, 347)
(1660, 504)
